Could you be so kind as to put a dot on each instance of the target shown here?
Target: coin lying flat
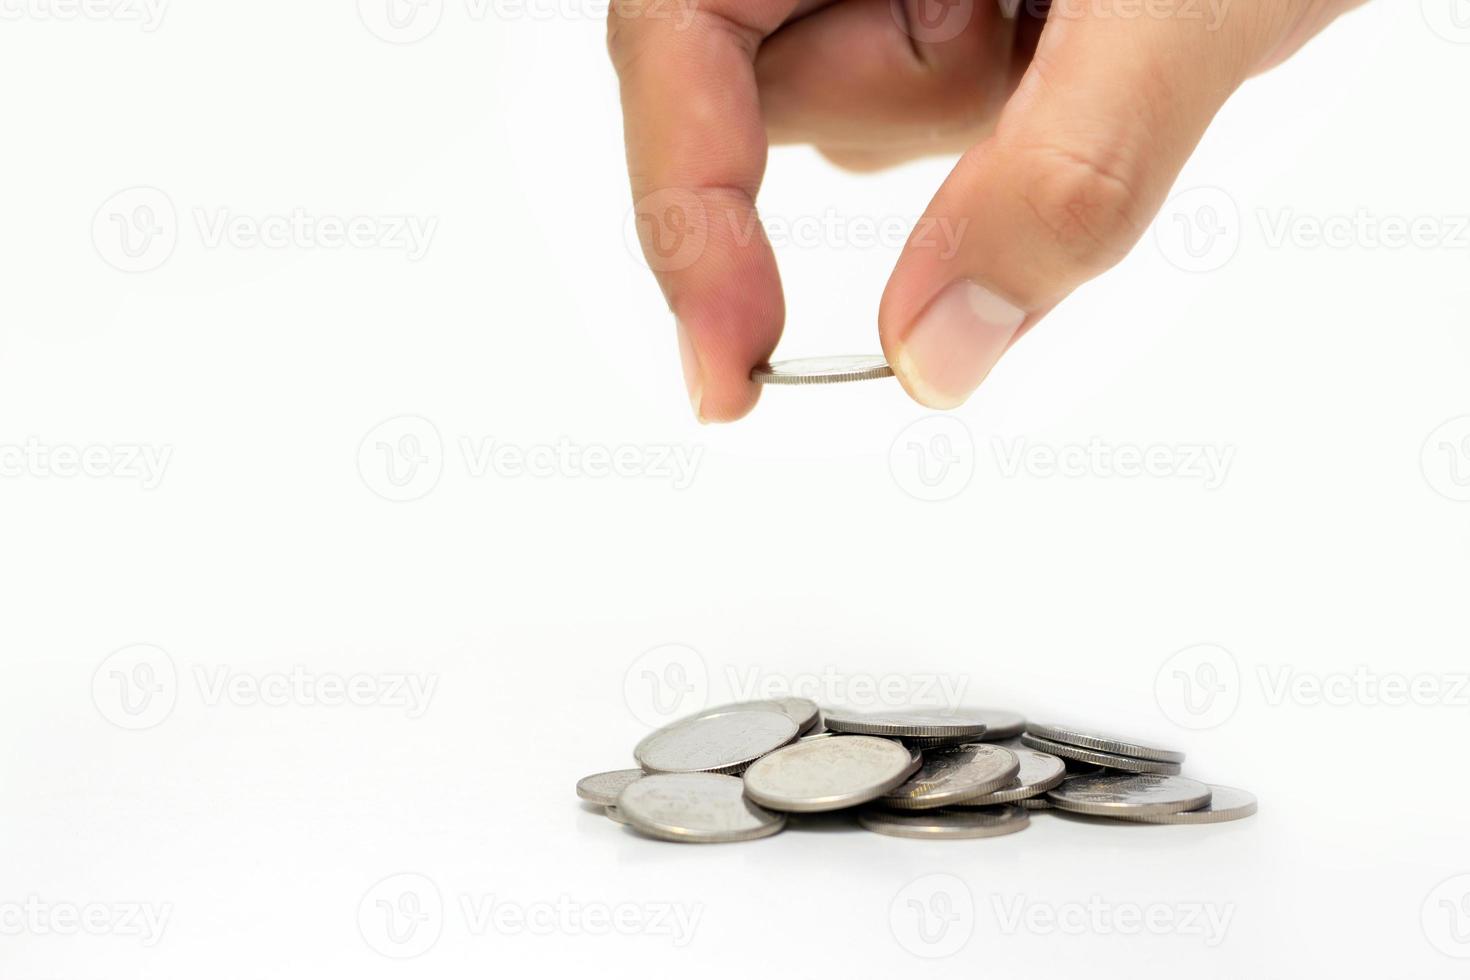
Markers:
(1103, 743)
(803, 711)
(907, 724)
(829, 773)
(944, 824)
(947, 778)
(1131, 796)
(724, 742)
(1039, 773)
(1226, 803)
(1107, 760)
(603, 788)
(999, 724)
(695, 807)
(822, 370)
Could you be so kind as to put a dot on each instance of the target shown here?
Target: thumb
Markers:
(1081, 160)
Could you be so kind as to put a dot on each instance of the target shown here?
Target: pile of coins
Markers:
(735, 772)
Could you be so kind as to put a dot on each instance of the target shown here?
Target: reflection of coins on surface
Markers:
(1104, 743)
(907, 724)
(944, 824)
(1039, 773)
(1138, 795)
(829, 773)
(603, 788)
(1226, 803)
(946, 778)
(822, 370)
(724, 742)
(1105, 759)
(695, 807)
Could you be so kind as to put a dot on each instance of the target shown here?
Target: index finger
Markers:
(696, 155)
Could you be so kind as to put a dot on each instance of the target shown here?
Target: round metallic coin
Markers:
(829, 773)
(947, 778)
(1104, 743)
(1141, 795)
(907, 724)
(1039, 773)
(1092, 757)
(1035, 803)
(942, 743)
(695, 807)
(603, 788)
(724, 742)
(944, 824)
(822, 370)
(1226, 803)
(803, 711)
(614, 814)
(999, 724)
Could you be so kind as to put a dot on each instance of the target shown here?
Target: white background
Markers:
(275, 542)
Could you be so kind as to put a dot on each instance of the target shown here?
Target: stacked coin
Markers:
(734, 772)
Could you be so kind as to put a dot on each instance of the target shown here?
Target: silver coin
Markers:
(726, 742)
(803, 711)
(614, 814)
(1039, 773)
(1035, 803)
(1139, 795)
(999, 724)
(1092, 757)
(822, 370)
(1104, 743)
(1226, 803)
(907, 724)
(829, 773)
(947, 778)
(695, 807)
(944, 824)
(941, 743)
(603, 788)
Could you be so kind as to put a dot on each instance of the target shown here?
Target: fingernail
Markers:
(693, 380)
(955, 342)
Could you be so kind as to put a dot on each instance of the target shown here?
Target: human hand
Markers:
(1074, 122)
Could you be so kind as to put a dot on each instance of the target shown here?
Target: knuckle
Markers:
(1087, 203)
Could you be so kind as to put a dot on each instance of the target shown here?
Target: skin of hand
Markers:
(1073, 119)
